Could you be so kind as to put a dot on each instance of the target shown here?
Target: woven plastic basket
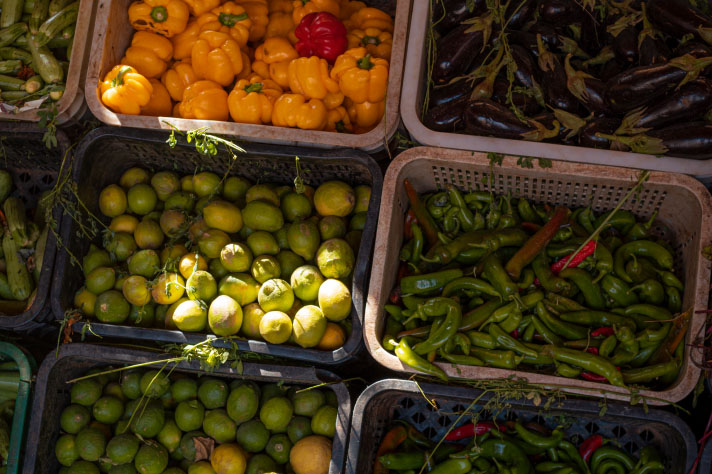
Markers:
(684, 218)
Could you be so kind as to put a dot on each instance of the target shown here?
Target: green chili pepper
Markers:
(564, 329)
(640, 229)
(608, 346)
(497, 359)
(494, 272)
(419, 284)
(605, 453)
(458, 341)
(604, 261)
(565, 370)
(554, 467)
(493, 216)
(481, 339)
(526, 280)
(627, 340)
(507, 453)
(653, 334)
(650, 291)
(452, 466)
(437, 205)
(547, 279)
(540, 359)
(477, 239)
(403, 461)
(669, 279)
(453, 317)
(622, 221)
(587, 361)
(640, 269)
(597, 319)
(451, 223)
(644, 355)
(653, 467)
(458, 359)
(573, 454)
(412, 302)
(618, 290)
(563, 234)
(471, 256)
(512, 322)
(535, 439)
(529, 333)
(585, 218)
(526, 212)
(469, 283)
(610, 467)
(651, 373)
(406, 355)
(657, 313)
(464, 214)
(510, 218)
(641, 248)
(475, 318)
(418, 244)
(482, 465)
(505, 341)
(563, 250)
(583, 280)
(565, 303)
(674, 299)
(543, 330)
(484, 197)
(406, 252)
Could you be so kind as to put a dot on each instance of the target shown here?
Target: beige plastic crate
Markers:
(71, 105)
(685, 218)
(112, 35)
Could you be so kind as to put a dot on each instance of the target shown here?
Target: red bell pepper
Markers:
(587, 250)
(603, 332)
(321, 34)
(469, 430)
(589, 446)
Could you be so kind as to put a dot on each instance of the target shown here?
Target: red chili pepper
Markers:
(403, 271)
(592, 350)
(515, 333)
(530, 226)
(321, 34)
(591, 377)
(603, 332)
(409, 219)
(587, 250)
(537, 282)
(425, 220)
(390, 442)
(469, 430)
(590, 445)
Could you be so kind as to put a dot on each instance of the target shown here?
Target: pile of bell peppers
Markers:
(500, 282)
(514, 447)
(311, 64)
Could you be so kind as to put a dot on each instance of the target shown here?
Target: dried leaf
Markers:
(203, 448)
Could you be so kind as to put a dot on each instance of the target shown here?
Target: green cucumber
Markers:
(55, 6)
(11, 12)
(9, 83)
(8, 52)
(10, 66)
(40, 12)
(53, 26)
(11, 33)
(45, 63)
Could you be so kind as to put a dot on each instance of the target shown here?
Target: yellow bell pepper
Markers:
(338, 120)
(198, 7)
(366, 115)
(293, 110)
(124, 90)
(183, 43)
(310, 77)
(160, 104)
(177, 78)
(280, 6)
(176, 110)
(149, 53)
(279, 73)
(280, 24)
(229, 18)
(252, 100)
(361, 77)
(348, 8)
(304, 7)
(370, 17)
(378, 43)
(246, 67)
(204, 100)
(275, 50)
(333, 100)
(166, 17)
(217, 57)
(261, 68)
(258, 12)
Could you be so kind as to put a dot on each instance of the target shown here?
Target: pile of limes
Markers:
(198, 254)
(150, 423)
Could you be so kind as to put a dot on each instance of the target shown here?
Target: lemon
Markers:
(191, 316)
(276, 327)
(242, 403)
(228, 459)
(263, 243)
(296, 206)
(202, 467)
(223, 215)
(151, 458)
(148, 234)
(262, 192)
(101, 279)
(239, 286)
(165, 183)
(335, 258)
(311, 455)
(261, 215)
(134, 176)
(219, 426)
(334, 300)
(276, 414)
(141, 199)
(136, 290)
(334, 198)
(145, 263)
(168, 289)
(172, 222)
(363, 197)
(154, 383)
(66, 450)
(224, 316)
(168, 315)
(201, 286)
(121, 246)
(189, 415)
(309, 402)
(187, 264)
(288, 262)
(123, 223)
(235, 189)
(173, 253)
(236, 257)
(90, 443)
(186, 184)
(265, 267)
(275, 295)
(303, 238)
(180, 200)
(112, 201)
(85, 300)
(212, 242)
(108, 410)
(252, 314)
(111, 307)
(309, 326)
(305, 282)
(74, 418)
(217, 269)
(206, 183)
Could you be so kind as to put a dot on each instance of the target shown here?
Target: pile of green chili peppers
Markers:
(515, 448)
(483, 283)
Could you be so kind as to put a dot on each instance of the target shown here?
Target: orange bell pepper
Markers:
(366, 115)
(204, 100)
(183, 43)
(333, 100)
(198, 7)
(217, 57)
(361, 77)
(338, 120)
(304, 7)
(228, 18)
(293, 110)
(280, 24)
(279, 73)
(310, 77)
(280, 6)
(177, 78)
(262, 68)
(275, 50)
(370, 17)
(160, 104)
(149, 53)
(378, 43)
(165, 17)
(251, 101)
(246, 67)
(259, 14)
(348, 8)
(124, 90)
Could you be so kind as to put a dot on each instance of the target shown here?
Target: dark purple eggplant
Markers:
(447, 14)
(524, 102)
(694, 48)
(519, 13)
(609, 70)
(690, 101)
(639, 85)
(449, 93)
(446, 117)
(560, 12)
(526, 71)
(625, 46)
(593, 33)
(589, 90)
(678, 18)
(692, 140)
(605, 125)
(651, 48)
(554, 80)
(551, 37)
(486, 117)
(455, 53)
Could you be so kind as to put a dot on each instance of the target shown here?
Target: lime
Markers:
(262, 192)
(331, 227)
(74, 418)
(152, 458)
(168, 289)
(296, 206)
(311, 455)
(124, 223)
(167, 400)
(206, 183)
(334, 300)
(324, 421)
(202, 467)
(235, 189)
(275, 295)
(145, 263)
(154, 383)
(305, 282)
(148, 419)
(270, 391)
(276, 327)
(184, 389)
(223, 215)
(212, 242)
(262, 243)
(308, 402)
(219, 426)
(241, 287)
(189, 415)
(112, 201)
(363, 197)
(228, 459)
(142, 199)
(142, 316)
(358, 221)
(251, 316)
(131, 384)
(165, 183)
(280, 237)
(265, 267)
(236, 383)
(224, 316)
(331, 399)
(108, 410)
(261, 464)
(101, 279)
(187, 445)
(172, 222)
(123, 448)
(217, 269)
(201, 286)
(85, 300)
(181, 200)
(136, 290)
(170, 435)
(66, 450)
(278, 448)
(202, 202)
(335, 258)
(111, 307)
(303, 238)
(122, 426)
(261, 215)
(276, 414)
(298, 428)
(113, 389)
(191, 262)
(121, 246)
(95, 258)
(334, 198)
(127, 468)
(253, 436)
(309, 326)
(213, 393)
(83, 467)
(91, 443)
(236, 257)
(242, 404)
(288, 262)
(134, 176)
(86, 392)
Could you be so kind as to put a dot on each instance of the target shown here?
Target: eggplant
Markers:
(555, 81)
(625, 46)
(449, 13)
(526, 71)
(589, 90)
(560, 12)
(606, 125)
(593, 33)
(609, 70)
(449, 93)
(455, 53)
(692, 140)
(678, 18)
(690, 101)
(486, 117)
(694, 48)
(551, 37)
(446, 117)
(519, 12)
(524, 102)
(651, 48)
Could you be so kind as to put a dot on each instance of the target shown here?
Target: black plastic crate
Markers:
(34, 169)
(105, 153)
(393, 399)
(52, 394)
(705, 466)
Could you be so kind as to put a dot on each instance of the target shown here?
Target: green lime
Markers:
(303, 238)
(121, 426)
(224, 316)
(265, 267)
(91, 443)
(181, 200)
(363, 196)
(298, 428)
(237, 383)
(308, 402)
(261, 464)
(121, 246)
(236, 257)
(142, 199)
(324, 421)
(83, 467)
(170, 435)
(331, 399)
(187, 445)
(261, 215)
(184, 389)
(252, 436)
(276, 414)
(281, 237)
(74, 418)
(86, 392)
(202, 467)
(217, 269)
(66, 450)
(235, 189)
(112, 201)
(111, 307)
(262, 243)
(108, 410)
(275, 295)
(242, 404)
(358, 221)
(213, 393)
(206, 183)
(239, 286)
(101, 279)
(212, 242)
(167, 400)
(276, 327)
(142, 316)
(155, 383)
(122, 449)
(113, 389)
(152, 458)
(278, 448)
(145, 263)
(201, 286)
(131, 384)
(148, 419)
(296, 206)
(189, 415)
(95, 258)
(219, 426)
(270, 391)
(165, 183)
(127, 468)
(288, 262)
(134, 176)
(331, 227)
(251, 316)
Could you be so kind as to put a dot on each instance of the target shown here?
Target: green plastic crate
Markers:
(27, 366)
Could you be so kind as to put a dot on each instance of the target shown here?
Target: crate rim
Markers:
(26, 365)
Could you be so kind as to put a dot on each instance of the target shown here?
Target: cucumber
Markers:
(5, 291)
(17, 275)
(68, 32)
(54, 25)
(10, 66)
(13, 96)
(29, 6)
(33, 84)
(14, 210)
(11, 12)
(9, 83)
(55, 6)
(9, 52)
(40, 12)
(11, 33)
(5, 185)
(44, 62)
(39, 254)
(57, 42)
